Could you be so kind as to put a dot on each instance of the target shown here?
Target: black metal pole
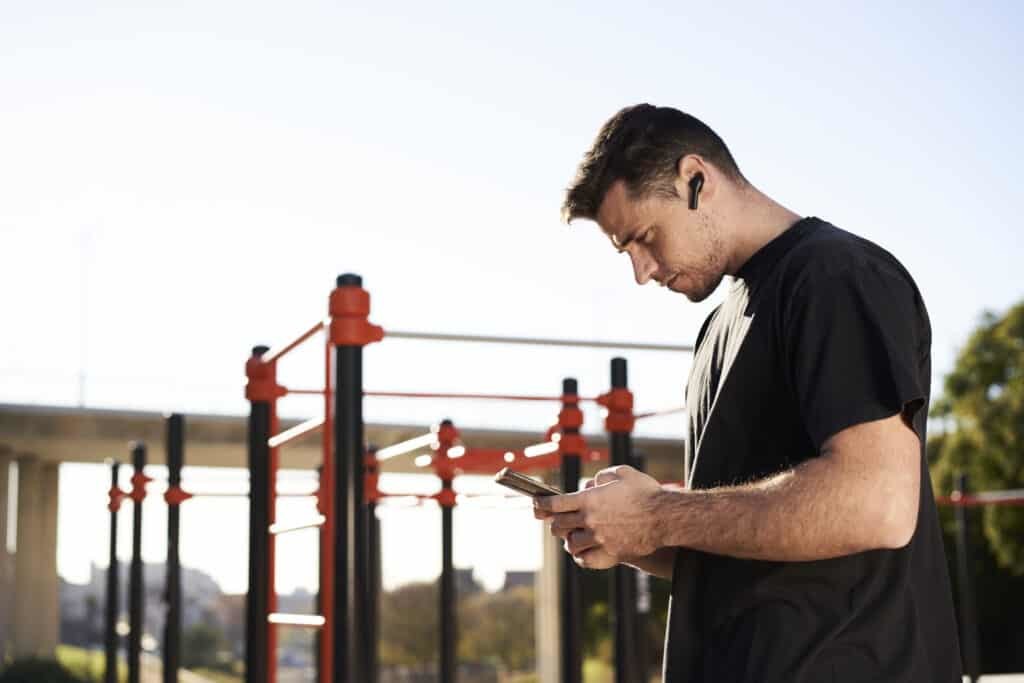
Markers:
(448, 596)
(113, 583)
(642, 587)
(623, 579)
(172, 594)
(374, 574)
(350, 568)
(136, 588)
(968, 614)
(572, 597)
(256, 602)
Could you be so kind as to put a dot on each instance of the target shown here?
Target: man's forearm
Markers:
(659, 563)
(818, 510)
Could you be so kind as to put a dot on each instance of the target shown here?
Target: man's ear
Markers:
(689, 168)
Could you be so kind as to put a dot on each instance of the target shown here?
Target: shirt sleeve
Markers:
(854, 343)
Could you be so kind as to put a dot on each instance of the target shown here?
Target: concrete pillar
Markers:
(547, 613)
(36, 619)
(6, 558)
(49, 598)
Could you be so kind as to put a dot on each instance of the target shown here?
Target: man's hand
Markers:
(608, 522)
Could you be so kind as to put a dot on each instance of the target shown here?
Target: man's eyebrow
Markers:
(621, 246)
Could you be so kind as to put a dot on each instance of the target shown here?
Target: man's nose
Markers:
(644, 267)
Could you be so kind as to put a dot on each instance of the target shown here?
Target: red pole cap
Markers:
(261, 378)
(349, 308)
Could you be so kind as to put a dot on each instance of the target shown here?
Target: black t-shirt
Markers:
(821, 330)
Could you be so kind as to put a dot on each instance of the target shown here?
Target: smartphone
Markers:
(524, 484)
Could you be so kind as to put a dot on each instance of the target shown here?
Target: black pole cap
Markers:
(260, 350)
(138, 454)
(349, 280)
(619, 373)
(447, 422)
(570, 386)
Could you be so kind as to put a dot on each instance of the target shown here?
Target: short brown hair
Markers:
(642, 145)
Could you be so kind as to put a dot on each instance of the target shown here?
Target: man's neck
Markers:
(755, 219)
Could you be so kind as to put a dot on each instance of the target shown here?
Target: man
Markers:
(805, 546)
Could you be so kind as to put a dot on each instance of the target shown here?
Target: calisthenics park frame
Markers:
(349, 558)
(349, 534)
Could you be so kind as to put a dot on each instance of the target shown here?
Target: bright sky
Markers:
(177, 185)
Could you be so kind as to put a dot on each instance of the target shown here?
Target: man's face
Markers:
(665, 240)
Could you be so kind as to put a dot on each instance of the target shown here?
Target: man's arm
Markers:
(860, 494)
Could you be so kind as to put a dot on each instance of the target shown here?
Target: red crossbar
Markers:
(274, 354)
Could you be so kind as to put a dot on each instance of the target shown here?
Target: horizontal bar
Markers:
(218, 494)
(406, 446)
(308, 620)
(274, 354)
(238, 494)
(278, 529)
(485, 397)
(1013, 497)
(310, 425)
(537, 341)
(659, 413)
(540, 449)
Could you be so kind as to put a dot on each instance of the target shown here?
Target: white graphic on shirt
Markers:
(711, 364)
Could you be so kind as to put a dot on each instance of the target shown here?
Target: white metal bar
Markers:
(278, 529)
(537, 341)
(295, 432)
(307, 620)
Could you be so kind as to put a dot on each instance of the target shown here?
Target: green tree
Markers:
(498, 628)
(982, 417)
(980, 432)
(200, 645)
(409, 625)
(37, 671)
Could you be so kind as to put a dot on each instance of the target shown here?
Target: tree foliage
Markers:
(498, 628)
(981, 414)
(200, 646)
(37, 671)
(409, 625)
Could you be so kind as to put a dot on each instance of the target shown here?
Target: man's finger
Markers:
(567, 502)
(606, 475)
(566, 522)
(579, 540)
(594, 558)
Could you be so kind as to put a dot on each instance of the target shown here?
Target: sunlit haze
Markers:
(178, 184)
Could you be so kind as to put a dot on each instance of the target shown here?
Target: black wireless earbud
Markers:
(696, 183)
